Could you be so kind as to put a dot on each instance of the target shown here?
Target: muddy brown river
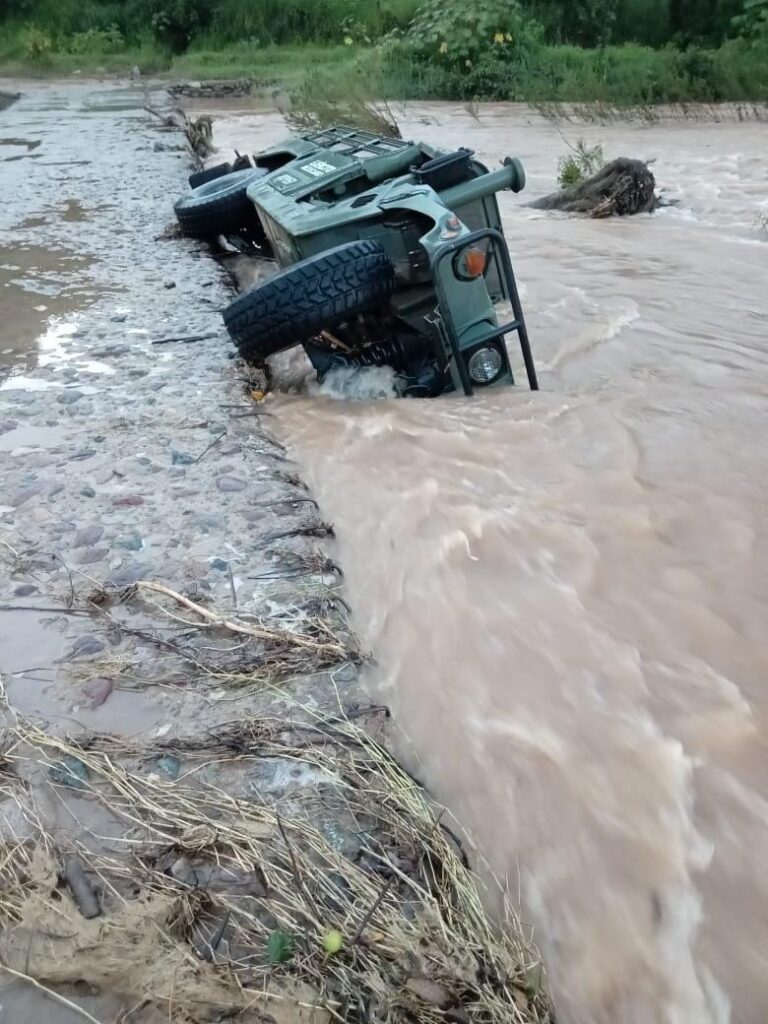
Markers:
(566, 592)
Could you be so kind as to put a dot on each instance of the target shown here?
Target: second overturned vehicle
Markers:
(391, 253)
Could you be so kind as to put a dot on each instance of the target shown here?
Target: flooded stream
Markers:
(566, 592)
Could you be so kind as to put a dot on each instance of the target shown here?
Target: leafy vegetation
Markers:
(582, 162)
(616, 52)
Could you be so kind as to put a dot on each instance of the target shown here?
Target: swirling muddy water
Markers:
(566, 592)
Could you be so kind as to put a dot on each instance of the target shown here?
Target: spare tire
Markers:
(219, 207)
(198, 178)
(317, 293)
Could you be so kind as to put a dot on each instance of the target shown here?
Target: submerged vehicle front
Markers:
(391, 253)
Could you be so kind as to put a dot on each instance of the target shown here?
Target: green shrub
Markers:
(36, 45)
(95, 41)
(581, 163)
(455, 34)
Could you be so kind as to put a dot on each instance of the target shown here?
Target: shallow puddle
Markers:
(35, 285)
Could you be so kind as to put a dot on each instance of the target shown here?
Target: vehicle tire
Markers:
(218, 207)
(301, 300)
(209, 174)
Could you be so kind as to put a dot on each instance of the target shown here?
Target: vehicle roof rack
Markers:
(355, 142)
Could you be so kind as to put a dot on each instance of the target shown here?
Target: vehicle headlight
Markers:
(485, 365)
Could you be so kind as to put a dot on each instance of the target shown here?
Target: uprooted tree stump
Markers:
(623, 187)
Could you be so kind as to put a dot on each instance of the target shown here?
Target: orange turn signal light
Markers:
(474, 262)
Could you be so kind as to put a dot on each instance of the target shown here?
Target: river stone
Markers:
(132, 543)
(87, 491)
(36, 460)
(87, 537)
(181, 458)
(98, 690)
(130, 574)
(205, 522)
(230, 483)
(25, 589)
(91, 555)
(85, 646)
(22, 497)
(69, 397)
(127, 500)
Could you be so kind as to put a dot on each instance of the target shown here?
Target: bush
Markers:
(36, 45)
(752, 23)
(455, 34)
(96, 40)
(578, 165)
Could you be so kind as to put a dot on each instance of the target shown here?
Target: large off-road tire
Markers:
(302, 300)
(218, 207)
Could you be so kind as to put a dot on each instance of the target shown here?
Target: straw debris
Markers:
(214, 902)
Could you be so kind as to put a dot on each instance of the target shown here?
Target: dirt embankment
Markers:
(196, 816)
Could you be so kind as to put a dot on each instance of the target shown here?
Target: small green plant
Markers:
(37, 45)
(96, 40)
(581, 163)
(353, 31)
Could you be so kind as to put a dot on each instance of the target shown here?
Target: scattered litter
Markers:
(70, 771)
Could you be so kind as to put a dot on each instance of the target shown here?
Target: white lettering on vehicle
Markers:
(317, 168)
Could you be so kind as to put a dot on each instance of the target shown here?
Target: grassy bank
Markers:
(400, 49)
(628, 75)
(284, 66)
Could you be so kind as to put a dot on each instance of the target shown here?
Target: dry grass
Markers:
(234, 646)
(324, 100)
(202, 879)
(233, 890)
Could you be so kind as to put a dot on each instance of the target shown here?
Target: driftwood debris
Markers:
(74, 875)
(621, 188)
(213, 90)
(198, 130)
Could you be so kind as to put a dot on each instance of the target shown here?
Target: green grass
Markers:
(621, 76)
(618, 76)
(279, 66)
